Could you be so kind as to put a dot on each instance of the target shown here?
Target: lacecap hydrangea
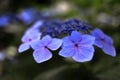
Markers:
(75, 38)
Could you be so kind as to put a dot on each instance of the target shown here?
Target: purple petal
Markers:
(108, 39)
(97, 33)
(67, 42)
(75, 36)
(84, 54)
(23, 47)
(37, 24)
(98, 43)
(32, 30)
(41, 55)
(36, 44)
(31, 36)
(55, 44)
(46, 40)
(67, 51)
(87, 40)
(109, 49)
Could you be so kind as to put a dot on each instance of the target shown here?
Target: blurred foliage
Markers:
(102, 67)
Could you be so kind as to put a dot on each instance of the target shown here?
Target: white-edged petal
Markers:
(41, 55)
(36, 44)
(23, 47)
(55, 44)
(84, 54)
(46, 40)
(67, 51)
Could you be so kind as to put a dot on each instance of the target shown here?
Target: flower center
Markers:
(76, 45)
(102, 40)
(29, 39)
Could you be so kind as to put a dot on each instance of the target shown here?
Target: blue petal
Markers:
(87, 40)
(23, 47)
(31, 36)
(37, 24)
(36, 44)
(75, 36)
(98, 43)
(108, 39)
(97, 33)
(109, 49)
(55, 44)
(41, 55)
(67, 42)
(32, 30)
(67, 51)
(46, 40)
(84, 54)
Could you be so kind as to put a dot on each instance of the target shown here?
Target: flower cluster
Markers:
(75, 38)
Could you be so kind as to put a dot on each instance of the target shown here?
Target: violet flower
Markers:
(41, 52)
(78, 46)
(27, 39)
(104, 42)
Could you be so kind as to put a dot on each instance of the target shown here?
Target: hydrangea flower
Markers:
(27, 39)
(4, 21)
(78, 46)
(104, 42)
(41, 52)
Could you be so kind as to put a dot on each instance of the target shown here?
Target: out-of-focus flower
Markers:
(41, 52)
(11, 52)
(104, 42)
(4, 21)
(2, 56)
(78, 46)
(28, 15)
(62, 7)
(107, 20)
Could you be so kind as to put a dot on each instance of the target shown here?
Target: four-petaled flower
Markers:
(78, 46)
(41, 52)
(27, 39)
(104, 42)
